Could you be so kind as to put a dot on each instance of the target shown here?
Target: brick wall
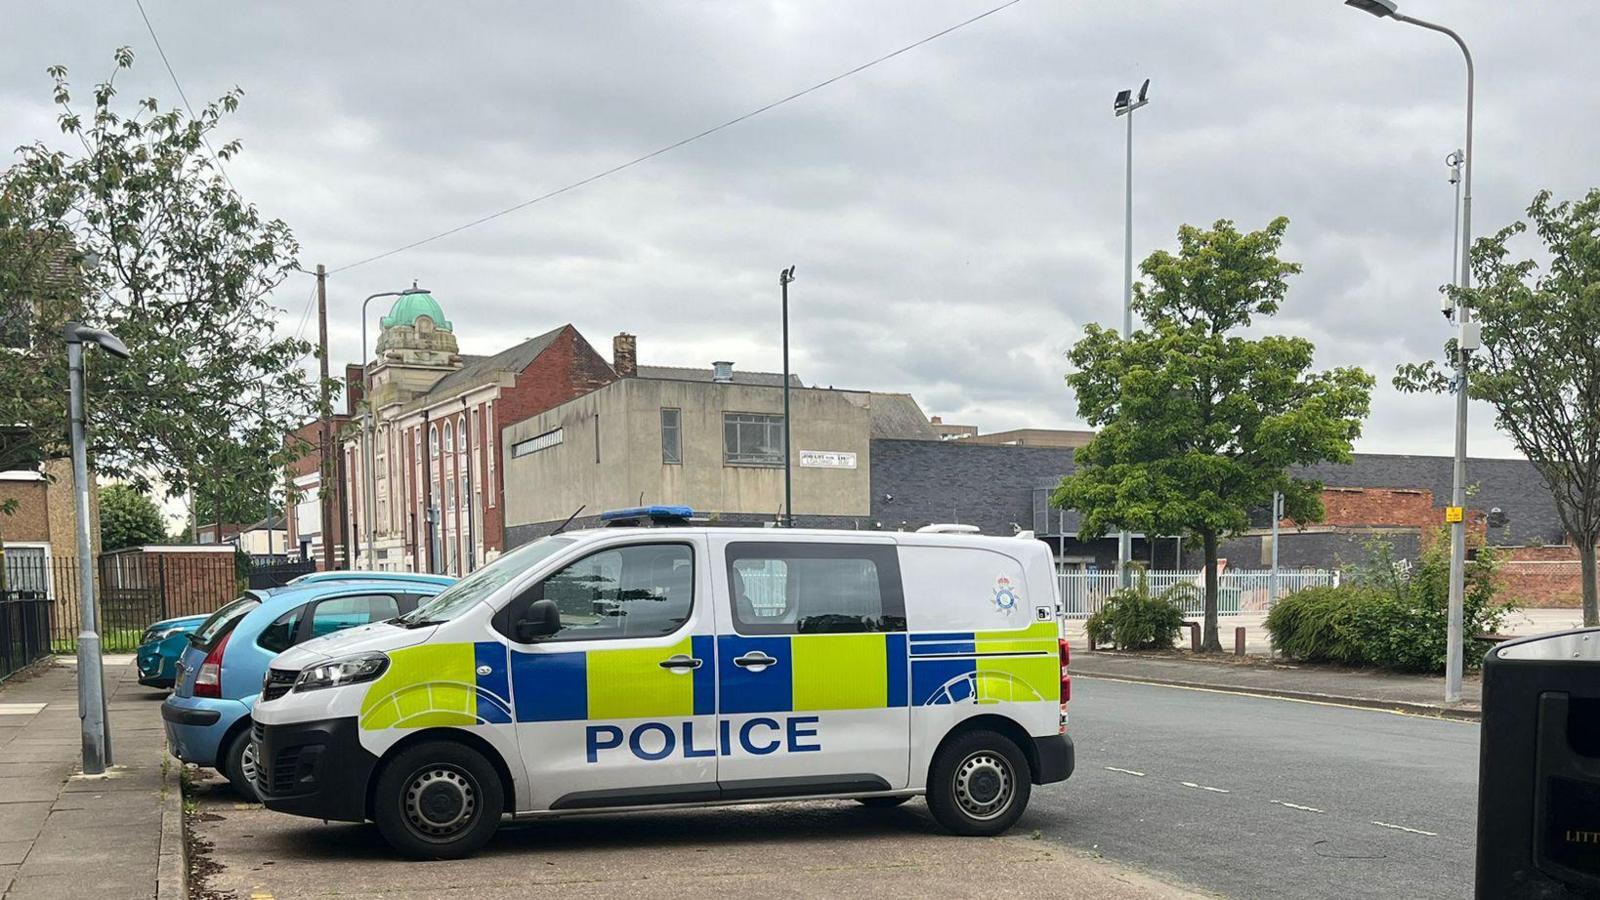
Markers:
(31, 520)
(1549, 577)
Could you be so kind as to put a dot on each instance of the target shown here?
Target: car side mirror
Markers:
(541, 620)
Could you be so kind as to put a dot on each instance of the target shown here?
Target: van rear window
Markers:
(815, 588)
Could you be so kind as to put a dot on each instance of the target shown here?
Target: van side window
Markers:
(807, 588)
(636, 591)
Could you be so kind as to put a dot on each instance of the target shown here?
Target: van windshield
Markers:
(220, 620)
(475, 588)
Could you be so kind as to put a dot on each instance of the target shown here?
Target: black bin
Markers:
(1539, 768)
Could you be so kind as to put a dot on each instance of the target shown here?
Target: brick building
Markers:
(43, 523)
(437, 488)
(303, 517)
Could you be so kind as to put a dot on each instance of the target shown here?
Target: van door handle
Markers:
(755, 661)
(680, 663)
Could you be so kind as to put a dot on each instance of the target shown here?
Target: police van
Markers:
(629, 668)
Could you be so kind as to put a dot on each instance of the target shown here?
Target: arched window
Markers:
(449, 438)
(433, 441)
(461, 429)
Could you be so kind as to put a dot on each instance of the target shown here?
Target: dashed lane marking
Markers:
(1201, 787)
(1405, 829)
(1298, 806)
(1124, 771)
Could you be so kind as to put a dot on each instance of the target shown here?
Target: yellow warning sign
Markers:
(1453, 514)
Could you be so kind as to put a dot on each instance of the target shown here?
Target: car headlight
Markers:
(350, 670)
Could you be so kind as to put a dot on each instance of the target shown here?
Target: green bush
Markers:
(1132, 619)
(1392, 614)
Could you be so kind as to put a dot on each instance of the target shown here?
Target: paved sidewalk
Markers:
(63, 835)
(1419, 694)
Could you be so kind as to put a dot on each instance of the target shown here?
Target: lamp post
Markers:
(91, 676)
(1467, 340)
(784, 278)
(369, 484)
(1124, 105)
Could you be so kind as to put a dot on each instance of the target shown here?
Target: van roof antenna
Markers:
(563, 526)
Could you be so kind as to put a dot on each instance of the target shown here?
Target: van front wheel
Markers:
(438, 800)
(978, 785)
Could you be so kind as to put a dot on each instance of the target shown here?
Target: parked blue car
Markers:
(160, 647)
(207, 717)
(442, 581)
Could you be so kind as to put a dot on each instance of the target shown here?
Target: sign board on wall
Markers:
(827, 459)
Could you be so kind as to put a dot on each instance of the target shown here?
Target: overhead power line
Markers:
(676, 144)
(181, 95)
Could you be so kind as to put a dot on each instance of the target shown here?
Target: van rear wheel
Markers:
(979, 784)
(438, 800)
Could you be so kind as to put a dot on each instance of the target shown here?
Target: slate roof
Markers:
(897, 416)
(479, 370)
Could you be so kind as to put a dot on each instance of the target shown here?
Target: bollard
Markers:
(1238, 641)
(1194, 636)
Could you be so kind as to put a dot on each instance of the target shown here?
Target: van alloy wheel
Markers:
(984, 785)
(440, 801)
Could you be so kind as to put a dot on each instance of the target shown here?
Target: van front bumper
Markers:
(1055, 757)
(316, 769)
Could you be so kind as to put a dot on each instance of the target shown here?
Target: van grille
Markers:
(277, 683)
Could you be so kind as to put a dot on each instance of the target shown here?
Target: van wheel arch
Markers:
(1001, 725)
(465, 738)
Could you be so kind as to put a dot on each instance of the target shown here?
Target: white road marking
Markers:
(1201, 787)
(1298, 806)
(20, 709)
(1405, 829)
(1124, 771)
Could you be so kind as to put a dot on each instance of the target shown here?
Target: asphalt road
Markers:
(1255, 797)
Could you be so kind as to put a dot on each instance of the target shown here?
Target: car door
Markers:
(811, 667)
(617, 708)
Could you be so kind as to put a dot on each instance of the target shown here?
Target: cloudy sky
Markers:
(955, 213)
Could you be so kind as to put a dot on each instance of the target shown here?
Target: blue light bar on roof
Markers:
(642, 514)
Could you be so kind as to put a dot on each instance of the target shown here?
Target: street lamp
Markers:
(91, 676)
(1124, 105)
(784, 278)
(1467, 340)
(369, 484)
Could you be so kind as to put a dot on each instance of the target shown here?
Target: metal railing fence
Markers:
(24, 630)
(1239, 591)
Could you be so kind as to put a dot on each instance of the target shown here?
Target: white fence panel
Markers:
(1239, 591)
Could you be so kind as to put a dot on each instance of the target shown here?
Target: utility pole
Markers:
(784, 277)
(325, 483)
(1124, 105)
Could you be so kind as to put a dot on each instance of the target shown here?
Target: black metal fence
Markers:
(271, 573)
(24, 630)
(134, 589)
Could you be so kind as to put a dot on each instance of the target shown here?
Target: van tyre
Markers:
(438, 800)
(978, 784)
(239, 765)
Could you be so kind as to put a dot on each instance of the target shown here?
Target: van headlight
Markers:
(350, 670)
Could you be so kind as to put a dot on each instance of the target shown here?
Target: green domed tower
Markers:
(416, 347)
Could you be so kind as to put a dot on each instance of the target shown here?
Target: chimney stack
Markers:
(722, 372)
(625, 355)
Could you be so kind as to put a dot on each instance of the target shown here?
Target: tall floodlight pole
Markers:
(1467, 340)
(1124, 105)
(784, 278)
(369, 483)
(94, 728)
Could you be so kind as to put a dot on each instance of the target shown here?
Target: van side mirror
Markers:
(541, 620)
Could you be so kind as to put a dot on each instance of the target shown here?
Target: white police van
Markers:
(645, 667)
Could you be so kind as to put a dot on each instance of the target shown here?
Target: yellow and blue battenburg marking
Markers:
(489, 683)
(986, 666)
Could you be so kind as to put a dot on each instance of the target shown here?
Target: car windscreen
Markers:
(477, 587)
(223, 619)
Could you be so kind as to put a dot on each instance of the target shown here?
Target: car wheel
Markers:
(239, 764)
(438, 800)
(978, 784)
(881, 802)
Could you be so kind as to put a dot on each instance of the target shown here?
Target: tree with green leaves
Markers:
(136, 229)
(129, 518)
(1539, 366)
(1198, 425)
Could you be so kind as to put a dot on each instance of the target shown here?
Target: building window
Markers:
(672, 437)
(488, 449)
(461, 429)
(433, 441)
(752, 439)
(535, 444)
(449, 438)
